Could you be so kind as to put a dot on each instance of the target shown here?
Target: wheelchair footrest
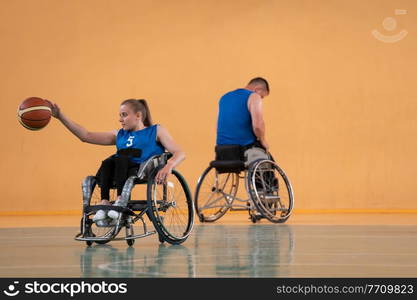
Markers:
(93, 239)
(79, 237)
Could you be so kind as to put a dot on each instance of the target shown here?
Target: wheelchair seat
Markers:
(229, 159)
(230, 166)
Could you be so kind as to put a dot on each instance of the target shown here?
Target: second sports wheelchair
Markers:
(169, 206)
(269, 190)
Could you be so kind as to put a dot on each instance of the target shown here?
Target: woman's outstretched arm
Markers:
(98, 138)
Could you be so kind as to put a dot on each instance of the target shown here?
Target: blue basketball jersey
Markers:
(144, 139)
(234, 123)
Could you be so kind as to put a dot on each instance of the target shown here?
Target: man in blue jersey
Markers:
(240, 119)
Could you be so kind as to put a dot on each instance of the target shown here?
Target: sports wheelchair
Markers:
(169, 206)
(269, 190)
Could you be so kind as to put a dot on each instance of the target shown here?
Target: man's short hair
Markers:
(260, 80)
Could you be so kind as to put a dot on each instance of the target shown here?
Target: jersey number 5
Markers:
(130, 141)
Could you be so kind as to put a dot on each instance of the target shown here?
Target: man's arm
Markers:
(256, 112)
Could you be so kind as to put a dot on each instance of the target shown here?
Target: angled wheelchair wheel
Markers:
(214, 194)
(171, 207)
(102, 229)
(270, 190)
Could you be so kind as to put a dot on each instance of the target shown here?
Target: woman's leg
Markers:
(124, 168)
(105, 176)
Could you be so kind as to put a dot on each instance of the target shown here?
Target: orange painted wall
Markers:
(341, 116)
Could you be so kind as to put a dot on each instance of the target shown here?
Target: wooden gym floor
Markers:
(308, 245)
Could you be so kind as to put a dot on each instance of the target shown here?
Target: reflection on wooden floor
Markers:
(326, 245)
(233, 218)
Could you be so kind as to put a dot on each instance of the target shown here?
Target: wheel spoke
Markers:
(215, 193)
(172, 208)
(272, 202)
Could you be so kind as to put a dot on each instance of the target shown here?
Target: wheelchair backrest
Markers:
(229, 152)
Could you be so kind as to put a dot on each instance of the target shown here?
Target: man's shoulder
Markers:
(255, 96)
(241, 91)
(237, 92)
(230, 92)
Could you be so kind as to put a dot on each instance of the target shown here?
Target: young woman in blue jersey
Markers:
(137, 132)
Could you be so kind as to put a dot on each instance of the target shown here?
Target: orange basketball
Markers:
(34, 113)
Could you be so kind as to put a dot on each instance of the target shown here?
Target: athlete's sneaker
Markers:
(100, 215)
(112, 213)
(103, 223)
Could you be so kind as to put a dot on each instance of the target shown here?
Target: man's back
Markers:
(234, 123)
